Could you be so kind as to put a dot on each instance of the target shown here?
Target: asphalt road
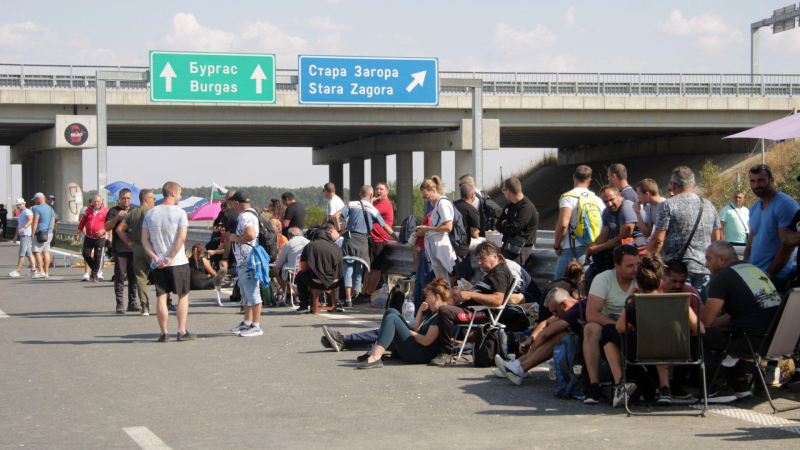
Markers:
(75, 375)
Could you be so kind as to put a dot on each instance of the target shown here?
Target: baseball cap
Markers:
(20, 201)
(38, 195)
(240, 196)
(51, 197)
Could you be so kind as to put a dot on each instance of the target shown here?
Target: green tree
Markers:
(788, 183)
(314, 216)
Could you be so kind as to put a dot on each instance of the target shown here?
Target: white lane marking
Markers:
(3, 315)
(146, 439)
(767, 420)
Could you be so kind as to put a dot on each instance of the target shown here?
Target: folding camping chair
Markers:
(779, 343)
(664, 337)
(494, 318)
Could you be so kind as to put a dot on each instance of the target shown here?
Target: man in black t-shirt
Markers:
(489, 291)
(750, 301)
(123, 254)
(295, 215)
(472, 222)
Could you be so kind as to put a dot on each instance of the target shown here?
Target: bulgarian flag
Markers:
(217, 193)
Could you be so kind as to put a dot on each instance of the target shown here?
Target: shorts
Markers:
(24, 246)
(39, 247)
(174, 279)
(378, 255)
(248, 286)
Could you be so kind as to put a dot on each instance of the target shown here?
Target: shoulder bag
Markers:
(43, 236)
(694, 229)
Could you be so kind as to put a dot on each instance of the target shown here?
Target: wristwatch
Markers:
(556, 248)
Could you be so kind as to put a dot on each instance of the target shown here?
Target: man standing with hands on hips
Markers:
(163, 234)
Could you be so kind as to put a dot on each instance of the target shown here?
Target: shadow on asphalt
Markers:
(751, 434)
(129, 339)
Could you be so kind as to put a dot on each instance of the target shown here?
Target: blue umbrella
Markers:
(116, 186)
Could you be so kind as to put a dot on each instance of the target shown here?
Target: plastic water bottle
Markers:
(536, 309)
(503, 342)
(552, 370)
(408, 311)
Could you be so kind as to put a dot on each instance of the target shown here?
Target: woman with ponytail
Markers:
(438, 248)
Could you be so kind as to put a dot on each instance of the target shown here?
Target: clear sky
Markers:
(710, 36)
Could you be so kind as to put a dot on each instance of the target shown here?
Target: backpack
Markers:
(490, 212)
(565, 359)
(311, 232)
(589, 219)
(486, 346)
(407, 229)
(458, 236)
(267, 238)
(396, 299)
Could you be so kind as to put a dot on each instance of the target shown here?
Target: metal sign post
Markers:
(102, 132)
(476, 88)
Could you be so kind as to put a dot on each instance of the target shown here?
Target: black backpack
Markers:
(267, 238)
(490, 212)
(458, 236)
(486, 346)
(407, 228)
(396, 299)
(311, 232)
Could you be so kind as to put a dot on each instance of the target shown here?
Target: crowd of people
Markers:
(610, 244)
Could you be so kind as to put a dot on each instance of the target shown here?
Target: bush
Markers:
(314, 216)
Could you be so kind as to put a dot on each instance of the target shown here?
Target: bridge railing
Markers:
(37, 76)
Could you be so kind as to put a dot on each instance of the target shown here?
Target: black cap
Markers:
(240, 196)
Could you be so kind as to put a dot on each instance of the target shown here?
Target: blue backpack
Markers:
(565, 357)
(407, 228)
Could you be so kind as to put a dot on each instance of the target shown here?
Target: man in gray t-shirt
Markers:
(163, 235)
(675, 223)
(619, 222)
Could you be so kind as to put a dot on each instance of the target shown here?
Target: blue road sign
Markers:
(361, 80)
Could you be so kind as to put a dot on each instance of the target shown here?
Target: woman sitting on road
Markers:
(203, 275)
(418, 344)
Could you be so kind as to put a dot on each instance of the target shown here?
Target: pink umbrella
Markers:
(206, 212)
(778, 130)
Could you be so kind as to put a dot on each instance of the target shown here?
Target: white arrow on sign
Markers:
(259, 76)
(419, 79)
(169, 74)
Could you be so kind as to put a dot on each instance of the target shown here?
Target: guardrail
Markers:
(37, 76)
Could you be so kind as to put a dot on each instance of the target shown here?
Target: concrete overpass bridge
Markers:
(587, 117)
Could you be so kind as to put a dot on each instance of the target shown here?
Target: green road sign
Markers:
(202, 77)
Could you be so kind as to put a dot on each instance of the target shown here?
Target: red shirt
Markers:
(386, 209)
(693, 300)
(93, 221)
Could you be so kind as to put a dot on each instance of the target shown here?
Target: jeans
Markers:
(248, 285)
(699, 281)
(353, 272)
(566, 257)
(424, 276)
(361, 341)
(396, 331)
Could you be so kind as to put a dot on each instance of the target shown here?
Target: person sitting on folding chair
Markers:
(648, 279)
(489, 291)
(750, 301)
(603, 307)
(539, 347)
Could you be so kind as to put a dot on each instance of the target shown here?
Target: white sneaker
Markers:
(514, 372)
(252, 331)
(31, 274)
(620, 391)
(239, 328)
(100, 276)
(85, 277)
(39, 275)
(47, 274)
(13, 274)
(145, 313)
(496, 372)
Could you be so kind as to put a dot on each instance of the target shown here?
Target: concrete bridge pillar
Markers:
(405, 186)
(336, 176)
(356, 176)
(54, 172)
(463, 163)
(433, 164)
(377, 169)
